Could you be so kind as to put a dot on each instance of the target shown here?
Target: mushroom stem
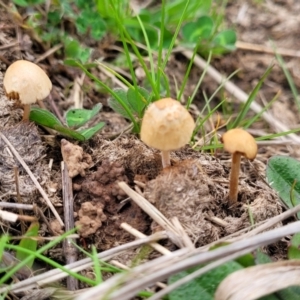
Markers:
(26, 112)
(234, 178)
(165, 158)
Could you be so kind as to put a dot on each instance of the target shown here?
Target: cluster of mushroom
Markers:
(167, 126)
(26, 82)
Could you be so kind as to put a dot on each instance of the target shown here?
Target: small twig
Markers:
(267, 49)
(24, 165)
(7, 46)
(56, 274)
(154, 213)
(48, 53)
(140, 235)
(12, 217)
(160, 268)
(5, 60)
(16, 205)
(186, 239)
(122, 266)
(16, 171)
(55, 109)
(70, 250)
(217, 221)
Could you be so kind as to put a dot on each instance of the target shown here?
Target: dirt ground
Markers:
(195, 188)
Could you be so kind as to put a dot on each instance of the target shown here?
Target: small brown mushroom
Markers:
(166, 126)
(26, 82)
(239, 143)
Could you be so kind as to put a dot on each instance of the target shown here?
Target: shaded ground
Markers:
(195, 188)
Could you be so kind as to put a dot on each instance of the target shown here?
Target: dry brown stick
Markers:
(48, 53)
(70, 251)
(236, 92)
(56, 274)
(21, 212)
(16, 205)
(124, 267)
(267, 49)
(12, 217)
(155, 270)
(140, 235)
(154, 213)
(24, 165)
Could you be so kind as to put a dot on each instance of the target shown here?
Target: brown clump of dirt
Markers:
(91, 217)
(75, 158)
(101, 188)
(195, 191)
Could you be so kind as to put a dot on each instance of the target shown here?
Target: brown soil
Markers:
(195, 187)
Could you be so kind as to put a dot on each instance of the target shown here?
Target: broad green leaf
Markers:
(201, 29)
(116, 106)
(73, 49)
(204, 285)
(78, 117)
(226, 39)
(23, 3)
(43, 117)
(88, 133)
(138, 100)
(283, 175)
(294, 249)
(262, 258)
(191, 290)
(29, 244)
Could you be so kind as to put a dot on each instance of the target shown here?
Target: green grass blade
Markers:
(28, 243)
(246, 107)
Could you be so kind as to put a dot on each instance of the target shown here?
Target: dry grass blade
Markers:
(159, 248)
(238, 93)
(124, 287)
(155, 214)
(24, 165)
(56, 274)
(258, 281)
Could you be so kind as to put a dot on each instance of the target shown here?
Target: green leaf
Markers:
(138, 99)
(204, 285)
(88, 133)
(69, 132)
(23, 3)
(78, 117)
(201, 29)
(45, 118)
(73, 49)
(294, 249)
(115, 104)
(283, 175)
(29, 244)
(191, 290)
(262, 258)
(226, 39)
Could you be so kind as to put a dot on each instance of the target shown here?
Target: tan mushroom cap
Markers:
(27, 82)
(239, 140)
(167, 125)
